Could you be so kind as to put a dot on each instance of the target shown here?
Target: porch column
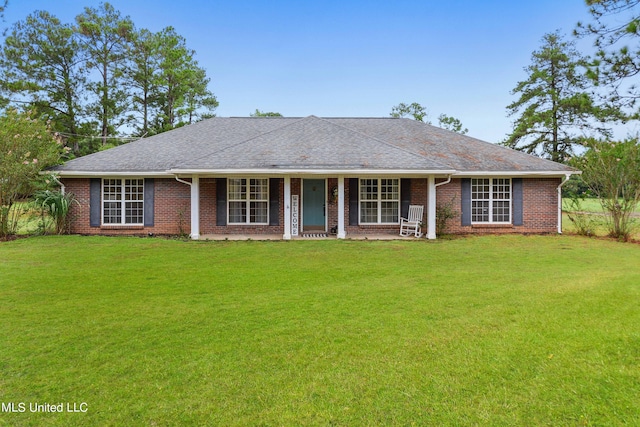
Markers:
(341, 231)
(195, 207)
(431, 207)
(287, 208)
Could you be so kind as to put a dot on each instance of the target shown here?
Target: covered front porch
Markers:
(307, 206)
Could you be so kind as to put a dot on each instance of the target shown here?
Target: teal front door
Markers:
(313, 205)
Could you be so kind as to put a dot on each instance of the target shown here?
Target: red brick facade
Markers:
(172, 209)
(540, 208)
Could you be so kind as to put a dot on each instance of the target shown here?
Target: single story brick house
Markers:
(291, 176)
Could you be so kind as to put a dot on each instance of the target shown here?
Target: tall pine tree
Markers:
(555, 107)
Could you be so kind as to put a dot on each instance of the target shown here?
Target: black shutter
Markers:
(149, 190)
(516, 184)
(353, 201)
(405, 197)
(465, 207)
(95, 188)
(221, 201)
(274, 201)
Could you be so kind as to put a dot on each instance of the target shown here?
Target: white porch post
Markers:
(431, 207)
(341, 231)
(195, 207)
(287, 208)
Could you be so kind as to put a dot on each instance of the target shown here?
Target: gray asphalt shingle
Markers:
(310, 143)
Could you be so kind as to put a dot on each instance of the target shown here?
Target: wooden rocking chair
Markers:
(412, 224)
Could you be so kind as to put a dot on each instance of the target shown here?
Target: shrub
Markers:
(444, 212)
(56, 204)
(582, 221)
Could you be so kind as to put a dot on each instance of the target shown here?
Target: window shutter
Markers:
(95, 188)
(516, 188)
(221, 201)
(274, 201)
(149, 191)
(353, 201)
(465, 207)
(405, 197)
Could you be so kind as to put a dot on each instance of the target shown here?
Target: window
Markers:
(491, 200)
(123, 201)
(379, 201)
(248, 200)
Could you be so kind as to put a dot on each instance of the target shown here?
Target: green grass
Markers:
(511, 330)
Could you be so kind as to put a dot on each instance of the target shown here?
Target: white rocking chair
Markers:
(412, 224)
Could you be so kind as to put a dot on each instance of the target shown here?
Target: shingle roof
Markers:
(310, 143)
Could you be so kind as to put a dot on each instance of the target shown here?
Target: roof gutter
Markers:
(443, 182)
(566, 178)
(89, 174)
(274, 171)
(472, 174)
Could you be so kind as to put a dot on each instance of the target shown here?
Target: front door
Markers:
(313, 205)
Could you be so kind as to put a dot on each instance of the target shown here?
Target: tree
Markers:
(616, 64)
(144, 53)
(611, 170)
(420, 114)
(27, 146)
(451, 123)
(199, 101)
(182, 84)
(40, 65)
(3, 6)
(415, 110)
(259, 113)
(105, 38)
(554, 102)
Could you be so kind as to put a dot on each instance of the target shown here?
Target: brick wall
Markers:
(172, 206)
(172, 210)
(540, 208)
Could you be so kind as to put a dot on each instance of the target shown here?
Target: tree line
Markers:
(101, 77)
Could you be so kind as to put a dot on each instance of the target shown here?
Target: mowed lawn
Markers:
(511, 330)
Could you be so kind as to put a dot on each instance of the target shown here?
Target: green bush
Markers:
(56, 204)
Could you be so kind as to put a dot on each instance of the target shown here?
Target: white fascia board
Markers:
(326, 172)
(547, 174)
(97, 174)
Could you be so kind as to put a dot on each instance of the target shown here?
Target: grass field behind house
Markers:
(592, 209)
(511, 330)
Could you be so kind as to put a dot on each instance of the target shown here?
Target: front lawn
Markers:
(511, 330)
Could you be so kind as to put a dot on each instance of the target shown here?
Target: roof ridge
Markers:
(248, 139)
(386, 142)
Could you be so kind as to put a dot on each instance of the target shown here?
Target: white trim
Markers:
(566, 178)
(328, 172)
(379, 202)
(104, 174)
(287, 209)
(431, 207)
(248, 201)
(122, 201)
(516, 174)
(341, 231)
(195, 207)
(491, 200)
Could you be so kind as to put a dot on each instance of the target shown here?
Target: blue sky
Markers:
(354, 58)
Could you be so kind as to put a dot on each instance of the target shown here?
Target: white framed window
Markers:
(491, 200)
(122, 201)
(379, 201)
(248, 200)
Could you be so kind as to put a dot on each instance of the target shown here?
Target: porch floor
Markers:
(279, 237)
